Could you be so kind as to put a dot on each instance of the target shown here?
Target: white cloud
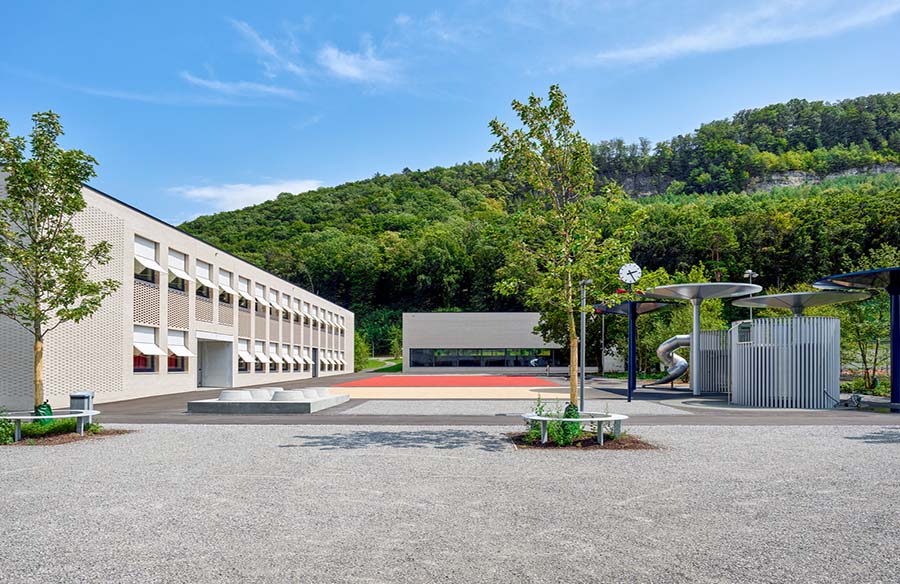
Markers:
(364, 67)
(402, 19)
(770, 22)
(227, 197)
(269, 56)
(240, 88)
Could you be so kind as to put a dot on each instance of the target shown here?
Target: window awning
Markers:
(276, 357)
(288, 358)
(227, 289)
(181, 351)
(327, 361)
(307, 360)
(180, 273)
(206, 282)
(263, 358)
(148, 263)
(245, 356)
(245, 296)
(342, 361)
(262, 301)
(287, 308)
(149, 349)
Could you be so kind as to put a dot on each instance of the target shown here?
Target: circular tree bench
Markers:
(18, 417)
(600, 419)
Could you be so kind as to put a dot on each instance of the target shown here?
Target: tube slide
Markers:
(676, 365)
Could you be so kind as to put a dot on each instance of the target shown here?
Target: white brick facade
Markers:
(98, 354)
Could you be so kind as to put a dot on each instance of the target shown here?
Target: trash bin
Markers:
(82, 400)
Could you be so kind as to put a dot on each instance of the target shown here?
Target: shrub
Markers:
(7, 431)
(64, 426)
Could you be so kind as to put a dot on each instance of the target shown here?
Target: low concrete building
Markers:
(187, 315)
(477, 341)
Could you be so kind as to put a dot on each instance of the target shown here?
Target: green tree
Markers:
(558, 241)
(362, 350)
(46, 266)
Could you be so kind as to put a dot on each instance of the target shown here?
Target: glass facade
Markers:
(487, 358)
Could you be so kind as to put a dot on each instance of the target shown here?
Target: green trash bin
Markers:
(43, 410)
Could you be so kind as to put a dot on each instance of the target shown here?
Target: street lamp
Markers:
(583, 284)
(750, 274)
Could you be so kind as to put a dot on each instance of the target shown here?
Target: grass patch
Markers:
(373, 364)
(396, 367)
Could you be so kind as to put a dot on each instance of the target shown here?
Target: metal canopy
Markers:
(697, 293)
(889, 279)
(866, 280)
(702, 291)
(797, 301)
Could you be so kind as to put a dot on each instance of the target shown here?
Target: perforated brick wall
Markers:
(178, 309)
(81, 356)
(146, 303)
(226, 314)
(204, 309)
(243, 322)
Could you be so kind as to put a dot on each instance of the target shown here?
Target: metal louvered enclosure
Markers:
(786, 362)
(715, 361)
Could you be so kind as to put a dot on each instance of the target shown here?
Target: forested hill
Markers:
(433, 240)
(731, 155)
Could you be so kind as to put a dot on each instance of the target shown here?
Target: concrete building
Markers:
(436, 342)
(487, 342)
(187, 315)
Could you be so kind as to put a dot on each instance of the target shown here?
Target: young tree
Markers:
(557, 239)
(45, 265)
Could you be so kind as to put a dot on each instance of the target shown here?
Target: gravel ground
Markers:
(481, 407)
(409, 504)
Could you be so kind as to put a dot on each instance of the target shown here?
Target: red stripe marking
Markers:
(450, 381)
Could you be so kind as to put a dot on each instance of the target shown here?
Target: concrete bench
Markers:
(79, 415)
(600, 419)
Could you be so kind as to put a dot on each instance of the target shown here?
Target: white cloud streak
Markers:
(771, 22)
(240, 88)
(272, 60)
(361, 67)
(227, 197)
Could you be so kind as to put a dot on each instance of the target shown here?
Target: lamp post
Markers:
(581, 347)
(750, 274)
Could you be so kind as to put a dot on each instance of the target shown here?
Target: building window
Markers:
(178, 276)
(145, 350)
(534, 358)
(243, 304)
(261, 359)
(225, 297)
(203, 291)
(177, 364)
(178, 351)
(244, 356)
(144, 363)
(145, 266)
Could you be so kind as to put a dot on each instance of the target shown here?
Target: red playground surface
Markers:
(450, 381)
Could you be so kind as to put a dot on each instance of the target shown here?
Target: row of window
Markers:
(485, 357)
(146, 350)
(277, 304)
(276, 359)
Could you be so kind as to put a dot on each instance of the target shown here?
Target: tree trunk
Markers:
(38, 371)
(573, 343)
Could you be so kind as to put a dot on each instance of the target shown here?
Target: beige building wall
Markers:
(97, 354)
(470, 330)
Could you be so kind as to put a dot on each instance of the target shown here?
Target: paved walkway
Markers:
(651, 407)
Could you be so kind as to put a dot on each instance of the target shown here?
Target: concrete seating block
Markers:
(235, 395)
(289, 396)
(310, 393)
(323, 391)
(273, 389)
(263, 394)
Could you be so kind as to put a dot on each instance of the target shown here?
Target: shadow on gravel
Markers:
(436, 439)
(887, 436)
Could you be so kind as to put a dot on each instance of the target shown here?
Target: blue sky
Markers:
(196, 107)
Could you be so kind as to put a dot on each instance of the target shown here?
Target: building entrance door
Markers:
(214, 363)
(315, 360)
